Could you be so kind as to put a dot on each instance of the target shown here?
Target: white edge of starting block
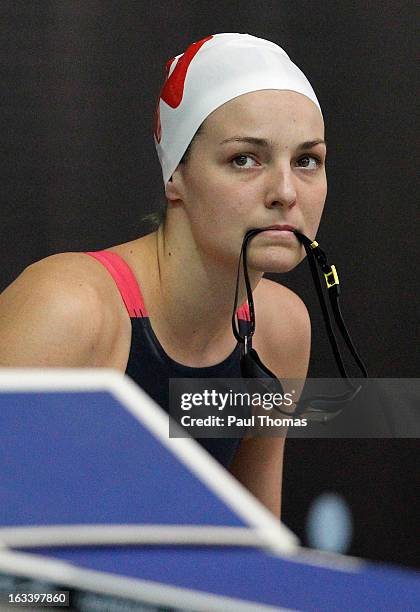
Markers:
(275, 536)
(104, 583)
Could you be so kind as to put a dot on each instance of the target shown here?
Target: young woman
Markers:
(240, 137)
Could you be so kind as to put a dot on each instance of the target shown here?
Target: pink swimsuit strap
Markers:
(243, 312)
(129, 287)
(125, 281)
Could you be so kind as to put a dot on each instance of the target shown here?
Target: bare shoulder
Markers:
(283, 329)
(270, 295)
(68, 276)
(77, 272)
(56, 313)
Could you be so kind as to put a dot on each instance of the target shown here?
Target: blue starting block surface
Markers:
(95, 498)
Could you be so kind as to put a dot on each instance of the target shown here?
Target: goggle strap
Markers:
(335, 305)
(315, 256)
(325, 313)
(235, 329)
(250, 299)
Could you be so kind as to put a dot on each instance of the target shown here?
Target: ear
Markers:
(174, 187)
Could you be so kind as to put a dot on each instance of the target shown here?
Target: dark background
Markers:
(78, 89)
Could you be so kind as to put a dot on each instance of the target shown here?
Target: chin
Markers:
(277, 263)
(281, 269)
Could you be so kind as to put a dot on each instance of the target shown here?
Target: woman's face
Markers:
(258, 161)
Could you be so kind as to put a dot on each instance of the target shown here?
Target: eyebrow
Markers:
(263, 142)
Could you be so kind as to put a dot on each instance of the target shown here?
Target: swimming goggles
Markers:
(319, 408)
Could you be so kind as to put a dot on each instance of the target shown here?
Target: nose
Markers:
(281, 190)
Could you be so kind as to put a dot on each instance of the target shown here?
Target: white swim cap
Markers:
(209, 73)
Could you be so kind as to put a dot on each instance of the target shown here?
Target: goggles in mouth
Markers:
(319, 408)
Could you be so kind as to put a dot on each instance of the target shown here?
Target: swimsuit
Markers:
(148, 364)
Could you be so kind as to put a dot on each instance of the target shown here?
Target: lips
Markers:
(289, 228)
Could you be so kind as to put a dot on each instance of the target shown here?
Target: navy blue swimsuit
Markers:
(148, 364)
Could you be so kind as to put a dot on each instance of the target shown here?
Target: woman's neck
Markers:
(189, 297)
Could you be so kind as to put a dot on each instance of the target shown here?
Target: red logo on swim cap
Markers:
(173, 87)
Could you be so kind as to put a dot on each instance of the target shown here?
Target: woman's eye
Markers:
(243, 161)
(308, 161)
